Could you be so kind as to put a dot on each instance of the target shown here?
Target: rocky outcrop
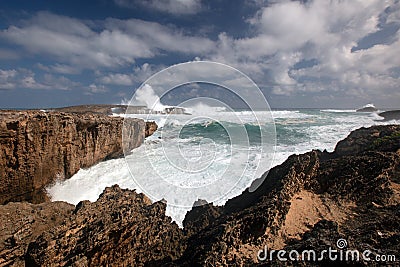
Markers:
(308, 202)
(122, 228)
(151, 127)
(377, 138)
(39, 147)
(390, 115)
(22, 222)
(94, 109)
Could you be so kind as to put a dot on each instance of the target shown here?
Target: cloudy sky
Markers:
(336, 53)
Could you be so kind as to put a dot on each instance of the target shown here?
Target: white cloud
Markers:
(59, 68)
(159, 37)
(117, 43)
(118, 79)
(95, 89)
(6, 79)
(24, 78)
(138, 75)
(287, 33)
(324, 31)
(175, 7)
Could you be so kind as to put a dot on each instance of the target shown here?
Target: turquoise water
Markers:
(212, 156)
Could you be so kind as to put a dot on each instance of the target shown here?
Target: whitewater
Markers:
(186, 147)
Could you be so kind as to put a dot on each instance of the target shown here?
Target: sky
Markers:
(301, 54)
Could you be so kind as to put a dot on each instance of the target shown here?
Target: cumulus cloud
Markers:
(175, 7)
(95, 89)
(294, 47)
(138, 75)
(24, 78)
(291, 32)
(7, 79)
(117, 43)
(59, 68)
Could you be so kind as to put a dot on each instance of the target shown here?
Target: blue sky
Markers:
(336, 54)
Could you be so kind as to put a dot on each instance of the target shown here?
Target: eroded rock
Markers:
(38, 147)
(122, 228)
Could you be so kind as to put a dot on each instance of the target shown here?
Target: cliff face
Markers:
(308, 202)
(37, 147)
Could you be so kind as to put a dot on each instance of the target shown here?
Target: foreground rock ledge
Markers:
(39, 147)
(308, 202)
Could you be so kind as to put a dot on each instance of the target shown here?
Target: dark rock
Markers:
(390, 115)
(308, 202)
(21, 223)
(121, 228)
(377, 138)
(200, 217)
(367, 109)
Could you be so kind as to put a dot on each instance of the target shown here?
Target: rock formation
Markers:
(308, 202)
(22, 222)
(367, 108)
(38, 147)
(121, 228)
(151, 127)
(390, 115)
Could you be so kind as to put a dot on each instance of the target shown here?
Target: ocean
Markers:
(212, 156)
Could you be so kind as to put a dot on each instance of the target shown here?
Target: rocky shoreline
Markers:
(38, 147)
(308, 202)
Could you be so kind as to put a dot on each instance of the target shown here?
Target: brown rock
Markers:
(122, 228)
(21, 223)
(151, 127)
(308, 202)
(36, 148)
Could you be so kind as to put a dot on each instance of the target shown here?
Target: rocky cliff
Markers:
(38, 147)
(308, 202)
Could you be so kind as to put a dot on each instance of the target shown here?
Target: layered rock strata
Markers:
(36, 148)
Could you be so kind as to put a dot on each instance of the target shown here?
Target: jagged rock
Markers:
(308, 202)
(378, 138)
(21, 223)
(39, 147)
(151, 127)
(122, 228)
(200, 217)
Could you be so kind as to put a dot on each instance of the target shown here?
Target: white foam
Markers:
(289, 114)
(339, 110)
(321, 131)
